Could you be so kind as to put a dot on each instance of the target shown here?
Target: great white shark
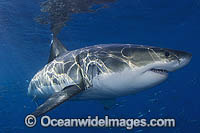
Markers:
(102, 72)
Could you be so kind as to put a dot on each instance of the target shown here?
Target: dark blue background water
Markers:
(24, 49)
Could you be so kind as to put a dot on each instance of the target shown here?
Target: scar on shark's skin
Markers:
(101, 72)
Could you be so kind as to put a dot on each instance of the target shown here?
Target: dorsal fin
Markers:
(57, 48)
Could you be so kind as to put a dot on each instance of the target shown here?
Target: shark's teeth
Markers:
(159, 70)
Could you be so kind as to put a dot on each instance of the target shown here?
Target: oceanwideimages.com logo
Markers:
(129, 124)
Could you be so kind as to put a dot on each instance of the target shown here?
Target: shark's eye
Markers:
(166, 54)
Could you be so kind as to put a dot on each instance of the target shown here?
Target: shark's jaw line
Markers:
(162, 68)
(159, 71)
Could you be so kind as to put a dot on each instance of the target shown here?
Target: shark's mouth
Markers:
(159, 71)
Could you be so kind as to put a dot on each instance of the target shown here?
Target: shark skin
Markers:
(101, 72)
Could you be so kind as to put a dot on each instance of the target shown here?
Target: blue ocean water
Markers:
(25, 44)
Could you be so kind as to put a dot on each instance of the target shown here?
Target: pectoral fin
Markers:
(57, 99)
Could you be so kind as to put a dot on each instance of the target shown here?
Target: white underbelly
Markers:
(127, 82)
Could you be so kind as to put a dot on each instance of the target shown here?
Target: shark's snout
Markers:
(184, 58)
(170, 60)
